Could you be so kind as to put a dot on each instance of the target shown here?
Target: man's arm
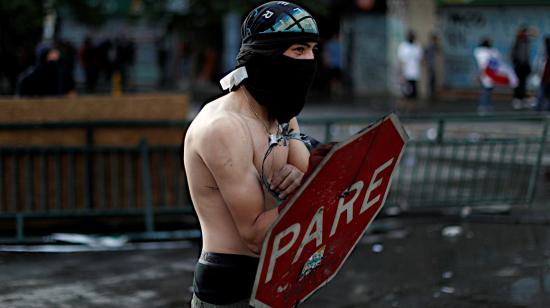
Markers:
(289, 177)
(298, 154)
(228, 153)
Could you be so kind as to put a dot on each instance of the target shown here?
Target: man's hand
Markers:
(317, 155)
(286, 180)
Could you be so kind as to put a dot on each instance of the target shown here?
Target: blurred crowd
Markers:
(493, 70)
(53, 72)
(106, 64)
(104, 59)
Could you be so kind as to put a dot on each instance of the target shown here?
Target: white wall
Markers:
(462, 28)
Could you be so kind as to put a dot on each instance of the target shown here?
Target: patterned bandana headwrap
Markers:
(272, 27)
(276, 81)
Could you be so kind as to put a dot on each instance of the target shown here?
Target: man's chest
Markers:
(268, 160)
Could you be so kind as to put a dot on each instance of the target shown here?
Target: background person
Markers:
(46, 77)
(492, 72)
(409, 54)
(543, 102)
(431, 52)
(89, 61)
(522, 66)
(332, 57)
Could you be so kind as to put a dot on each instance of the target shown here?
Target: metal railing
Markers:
(91, 181)
(461, 159)
(449, 161)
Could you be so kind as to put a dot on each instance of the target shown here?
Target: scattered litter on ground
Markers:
(493, 209)
(377, 248)
(451, 231)
(397, 234)
(448, 290)
(447, 275)
(392, 210)
(465, 211)
(431, 133)
(508, 272)
(90, 240)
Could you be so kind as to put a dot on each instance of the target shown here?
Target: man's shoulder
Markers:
(217, 124)
(229, 123)
(221, 136)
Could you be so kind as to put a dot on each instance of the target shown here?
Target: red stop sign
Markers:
(325, 219)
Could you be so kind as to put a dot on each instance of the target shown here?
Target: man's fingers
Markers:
(293, 186)
(290, 180)
(286, 180)
(279, 177)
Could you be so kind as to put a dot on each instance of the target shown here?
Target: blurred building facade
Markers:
(463, 23)
(182, 44)
(371, 40)
(144, 41)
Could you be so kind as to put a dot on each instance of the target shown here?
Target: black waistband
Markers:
(223, 279)
(227, 259)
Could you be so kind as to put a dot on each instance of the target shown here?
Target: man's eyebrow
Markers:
(305, 44)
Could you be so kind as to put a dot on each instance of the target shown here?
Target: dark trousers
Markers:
(543, 102)
(522, 71)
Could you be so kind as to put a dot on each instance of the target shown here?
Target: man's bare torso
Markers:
(220, 234)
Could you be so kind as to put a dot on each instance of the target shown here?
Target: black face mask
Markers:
(280, 84)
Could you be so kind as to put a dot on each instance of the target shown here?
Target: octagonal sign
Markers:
(322, 223)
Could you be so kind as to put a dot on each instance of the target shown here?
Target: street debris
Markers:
(451, 231)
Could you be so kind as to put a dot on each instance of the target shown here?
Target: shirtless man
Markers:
(243, 153)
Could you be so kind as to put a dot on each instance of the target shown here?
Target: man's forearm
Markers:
(261, 226)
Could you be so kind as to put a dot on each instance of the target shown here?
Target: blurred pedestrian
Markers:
(332, 58)
(409, 54)
(184, 64)
(431, 52)
(162, 61)
(492, 72)
(105, 58)
(124, 57)
(46, 77)
(522, 66)
(67, 61)
(543, 102)
(89, 60)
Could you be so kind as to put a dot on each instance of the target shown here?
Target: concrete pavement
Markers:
(430, 261)
(405, 261)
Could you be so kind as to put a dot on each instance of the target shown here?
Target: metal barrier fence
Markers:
(460, 173)
(461, 159)
(91, 181)
(449, 161)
